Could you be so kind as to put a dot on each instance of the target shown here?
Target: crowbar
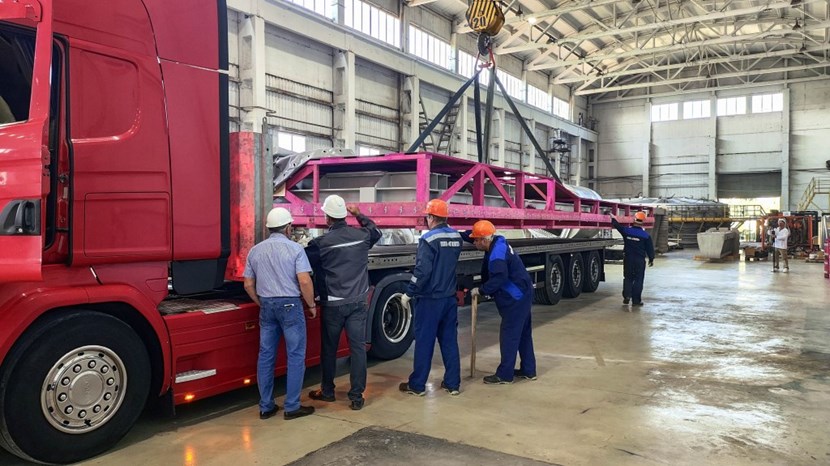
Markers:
(473, 318)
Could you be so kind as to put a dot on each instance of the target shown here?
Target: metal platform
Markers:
(394, 189)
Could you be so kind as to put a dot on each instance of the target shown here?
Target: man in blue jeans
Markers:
(340, 259)
(276, 275)
(433, 287)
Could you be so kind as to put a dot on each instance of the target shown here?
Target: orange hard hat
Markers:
(482, 229)
(438, 208)
(640, 217)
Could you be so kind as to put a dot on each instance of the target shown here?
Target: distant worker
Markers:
(433, 290)
(340, 260)
(505, 278)
(638, 247)
(276, 276)
(781, 236)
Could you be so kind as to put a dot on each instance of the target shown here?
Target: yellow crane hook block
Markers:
(485, 16)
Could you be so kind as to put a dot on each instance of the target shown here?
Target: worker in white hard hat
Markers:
(277, 278)
(781, 235)
(340, 260)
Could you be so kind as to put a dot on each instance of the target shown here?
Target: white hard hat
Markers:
(334, 206)
(278, 217)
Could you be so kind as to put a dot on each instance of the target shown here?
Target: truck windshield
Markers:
(16, 65)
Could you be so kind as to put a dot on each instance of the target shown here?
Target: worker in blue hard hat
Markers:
(638, 247)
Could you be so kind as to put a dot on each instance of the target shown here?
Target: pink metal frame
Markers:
(562, 208)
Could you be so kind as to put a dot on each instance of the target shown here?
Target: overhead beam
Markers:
(669, 82)
(674, 48)
(691, 64)
(464, 28)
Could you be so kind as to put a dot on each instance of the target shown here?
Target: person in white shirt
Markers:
(780, 234)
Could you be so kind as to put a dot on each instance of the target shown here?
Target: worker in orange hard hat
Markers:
(504, 276)
(432, 289)
(638, 247)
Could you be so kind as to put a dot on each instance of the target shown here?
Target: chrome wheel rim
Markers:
(84, 389)
(555, 279)
(396, 319)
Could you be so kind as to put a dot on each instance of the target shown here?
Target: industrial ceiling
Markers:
(624, 49)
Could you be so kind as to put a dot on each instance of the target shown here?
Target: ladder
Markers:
(423, 122)
(444, 135)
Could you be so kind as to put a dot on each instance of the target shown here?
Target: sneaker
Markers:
(451, 391)
(318, 395)
(495, 380)
(303, 411)
(786, 269)
(268, 414)
(404, 387)
(521, 375)
(357, 405)
(626, 300)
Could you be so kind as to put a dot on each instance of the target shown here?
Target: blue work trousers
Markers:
(281, 317)
(352, 317)
(436, 318)
(634, 272)
(515, 336)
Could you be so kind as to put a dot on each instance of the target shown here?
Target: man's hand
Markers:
(311, 311)
(475, 292)
(354, 210)
(405, 299)
(651, 263)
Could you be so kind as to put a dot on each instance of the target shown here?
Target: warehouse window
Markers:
(290, 142)
(513, 85)
(561, 108)
(321, 7)
(430, 48)
(664, 112)
(366, 150)
(467, 67)
(732, 106)
(696, 109)
(538, 98)
(767, 103)
(373, 21)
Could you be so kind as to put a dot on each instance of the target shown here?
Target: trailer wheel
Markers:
(551, 292)
(593, 269)
(392, 326)
(574, 277)
(74, 387)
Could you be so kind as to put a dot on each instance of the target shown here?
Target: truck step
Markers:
(194, 375)
(182, 305)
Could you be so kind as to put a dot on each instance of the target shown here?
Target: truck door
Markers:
(25, 61)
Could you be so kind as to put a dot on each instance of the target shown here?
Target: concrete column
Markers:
(647, 152)
(528, 149)
(252, 73)
(785, 152)
(461, 129)
(577, 152)
(713, 149)
(345, 118)
(339, 11)
(410, 107)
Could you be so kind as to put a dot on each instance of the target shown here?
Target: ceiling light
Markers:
(532, 20)
(802, 49)
(797, 25)
(551, 40)
(520, 12)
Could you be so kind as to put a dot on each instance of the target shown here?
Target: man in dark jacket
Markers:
(505, 278)
(638, 246)
(433, 288)
(340, 261)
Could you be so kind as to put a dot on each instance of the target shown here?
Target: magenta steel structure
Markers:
(526, 200)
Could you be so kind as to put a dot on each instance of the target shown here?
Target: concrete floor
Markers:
(726, 364)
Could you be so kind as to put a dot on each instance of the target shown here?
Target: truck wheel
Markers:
(73, 388)
(593, 267)
(574, 277)
(551, 292)
(392, 326)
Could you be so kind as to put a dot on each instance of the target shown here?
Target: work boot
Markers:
(357, 405)
(638, 303)
(269, 414)
(522, 375)
(496, 380)
(404, 387)
(319, 396)
(626, 300)
(303, 411)
(451, 391)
